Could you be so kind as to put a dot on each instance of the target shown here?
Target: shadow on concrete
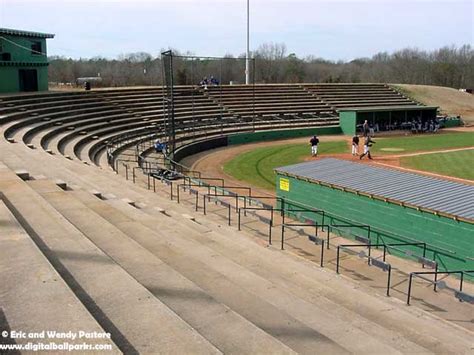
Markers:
(4, 326)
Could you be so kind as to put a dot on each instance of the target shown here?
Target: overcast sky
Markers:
(332, 29)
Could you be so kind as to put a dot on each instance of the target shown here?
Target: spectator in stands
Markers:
(365, 128)
(314, 146)
(367, 144)
(158, 145)
(371, 130)
(204, 82)
(355, 145)
(214, 81)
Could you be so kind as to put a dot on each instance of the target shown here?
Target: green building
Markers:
(385, 116)
(399, 207)
(23, 61)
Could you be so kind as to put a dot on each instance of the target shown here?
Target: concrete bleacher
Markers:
(340, 96)
(227, 291)
(79, 125)
(154, 274)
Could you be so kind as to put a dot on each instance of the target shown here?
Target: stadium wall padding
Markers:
(452, 241)
(200, 146)
(250, 137)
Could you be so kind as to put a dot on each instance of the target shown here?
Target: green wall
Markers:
(453, 122)
(22, 59)
(347, 121)
(24, 55)
(453, 241)
(10, 78)
(242, 138)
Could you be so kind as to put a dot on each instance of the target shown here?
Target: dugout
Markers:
(398, 206)
(387, 118)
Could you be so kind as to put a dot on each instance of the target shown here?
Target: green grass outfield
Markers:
(422, 142)
(458, 164)
(256, 167)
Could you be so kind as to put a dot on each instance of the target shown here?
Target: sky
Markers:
(331, 29)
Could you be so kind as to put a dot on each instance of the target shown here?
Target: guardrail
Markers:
(459, 294)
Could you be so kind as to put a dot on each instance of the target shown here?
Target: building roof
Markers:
(419, 191)
(21, 33)
(389, 108)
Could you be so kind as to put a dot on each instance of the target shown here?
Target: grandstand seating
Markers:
(340, 96)
(157, 280)
(115, 257)
(79, 125)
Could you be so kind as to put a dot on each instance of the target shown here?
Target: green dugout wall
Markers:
(450, 239)
(349, 118)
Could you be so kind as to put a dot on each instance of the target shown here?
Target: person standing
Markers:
(367, 144)
(365, 128)
(355, 145)
(314, 146)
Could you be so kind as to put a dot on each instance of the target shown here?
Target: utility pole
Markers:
(247, 57)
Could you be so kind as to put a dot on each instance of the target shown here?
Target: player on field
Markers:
(355, 145)
(367, 144)
(314, 146)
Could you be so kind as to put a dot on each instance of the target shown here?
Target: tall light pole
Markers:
(247, 57)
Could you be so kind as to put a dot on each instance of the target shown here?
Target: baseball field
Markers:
(447, 154)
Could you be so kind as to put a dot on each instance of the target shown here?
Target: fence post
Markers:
(388, 279)
(409, 289)
(322, 253)
(337, 260)
(270, 228)
(368, 259)
(239, 220)
(327, 244)
(282, 231)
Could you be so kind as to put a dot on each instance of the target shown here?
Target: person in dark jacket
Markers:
(355, 145)
(314, 146)
(367, 144)
(365, 128)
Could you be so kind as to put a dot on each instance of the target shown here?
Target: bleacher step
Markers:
(220, 325)
(31, 305)
(192, 264)
(118, 302)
